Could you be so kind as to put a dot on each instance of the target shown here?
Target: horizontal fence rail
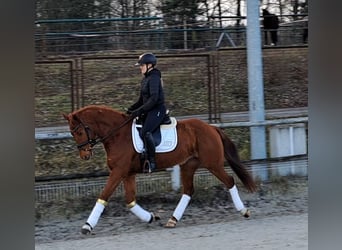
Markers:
(62, 132)
(46, 134)
(263, 123)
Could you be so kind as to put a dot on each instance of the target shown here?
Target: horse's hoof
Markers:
(245, 213)
(154, 217)
(171, 223)
(86, 229)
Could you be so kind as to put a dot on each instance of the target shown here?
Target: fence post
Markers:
(214, 104)
(255, 87)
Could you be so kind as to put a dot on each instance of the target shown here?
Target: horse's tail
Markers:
(232, 157)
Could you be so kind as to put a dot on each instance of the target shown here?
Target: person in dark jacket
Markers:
(271, 25)
(150, 107)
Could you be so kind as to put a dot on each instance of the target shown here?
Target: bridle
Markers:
(90, 141)
(93, 141)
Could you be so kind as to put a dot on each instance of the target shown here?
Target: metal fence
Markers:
(158, 182)
(76, 36)
(195, 83)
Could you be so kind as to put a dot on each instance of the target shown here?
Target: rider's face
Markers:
(145, 67)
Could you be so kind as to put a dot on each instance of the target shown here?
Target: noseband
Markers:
(90, 141)
(94, 141)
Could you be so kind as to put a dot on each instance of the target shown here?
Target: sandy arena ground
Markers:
(279, 220)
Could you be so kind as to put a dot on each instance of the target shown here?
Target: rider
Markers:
(150, 107)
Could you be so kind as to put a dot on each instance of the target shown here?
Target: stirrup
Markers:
(147, 167)
(152, 169)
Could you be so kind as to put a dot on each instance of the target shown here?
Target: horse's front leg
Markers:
(132, 205)
(113, 181)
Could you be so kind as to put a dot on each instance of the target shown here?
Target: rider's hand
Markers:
(129, 111)
(137, 112)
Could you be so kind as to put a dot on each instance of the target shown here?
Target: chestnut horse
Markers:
(199, 145)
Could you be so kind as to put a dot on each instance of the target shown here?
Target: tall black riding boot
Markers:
(151, 151)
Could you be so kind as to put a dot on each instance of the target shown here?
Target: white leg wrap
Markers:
(182, 204)
(95, 214)
(141, 213)
(236, 198)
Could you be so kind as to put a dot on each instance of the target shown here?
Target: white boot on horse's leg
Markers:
(94, 216)
(179, 211)
(141, 213)
(238, 203)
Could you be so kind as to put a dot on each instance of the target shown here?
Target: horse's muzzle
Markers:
(86, 154)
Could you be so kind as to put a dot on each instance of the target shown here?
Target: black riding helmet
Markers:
(147, 58)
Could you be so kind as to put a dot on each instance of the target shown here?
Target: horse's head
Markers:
(83, 135)
(93, 124)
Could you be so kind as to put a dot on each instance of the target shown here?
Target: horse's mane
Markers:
(97, 108)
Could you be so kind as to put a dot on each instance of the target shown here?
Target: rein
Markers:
(97, 140)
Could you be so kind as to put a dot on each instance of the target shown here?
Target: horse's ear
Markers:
(66, 117)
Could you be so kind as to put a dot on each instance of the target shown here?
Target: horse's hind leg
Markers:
(187, 173)
(229, 182)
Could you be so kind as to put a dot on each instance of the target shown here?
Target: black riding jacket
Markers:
(151, 92)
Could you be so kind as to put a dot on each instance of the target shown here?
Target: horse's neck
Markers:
(106, 121)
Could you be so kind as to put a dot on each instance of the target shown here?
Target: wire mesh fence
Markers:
(159, 181)
(75, 36)
(194, 83)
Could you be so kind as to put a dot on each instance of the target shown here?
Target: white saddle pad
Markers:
(168, 137)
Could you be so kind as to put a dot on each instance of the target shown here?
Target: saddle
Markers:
(165, 137)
